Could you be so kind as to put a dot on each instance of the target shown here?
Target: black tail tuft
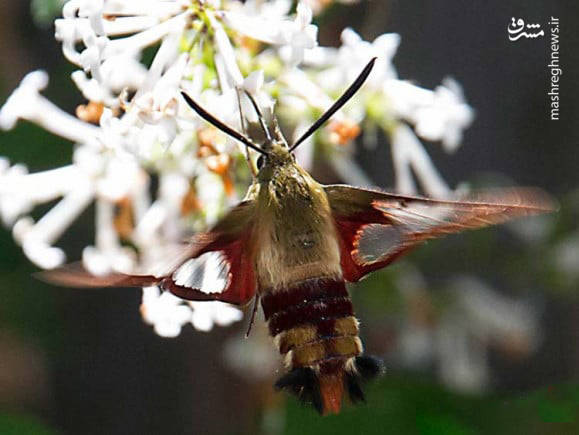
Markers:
(303, 383)
(369, 367)
(354, 390)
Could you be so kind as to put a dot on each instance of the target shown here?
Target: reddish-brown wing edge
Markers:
(75, 275)
(231, 235)
(355, 208)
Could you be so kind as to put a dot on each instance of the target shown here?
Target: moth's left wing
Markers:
(375, 228)
(221, 267)
(215, 266)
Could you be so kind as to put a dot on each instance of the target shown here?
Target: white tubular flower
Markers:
(158, 108)
(227, 68)
(272, 10)
(113, 64)
(168, 314)
(117, 73)
(164, 311)
(348, 170)
(565, 257)
(342, 66)
(251, 357)
(495, 317)
(302, 86)
(12, 205)
(298, 36)
(36, 238)
(305, 152)
(207, 314)
(253, 84)
(93, 9)
(293, 37)
(145, 8)
(481, 317)
(318, 6)
(439, 115)
(355, 52)
(408, 153)
(27, 103)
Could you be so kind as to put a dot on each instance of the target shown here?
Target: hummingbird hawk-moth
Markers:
(292, 245)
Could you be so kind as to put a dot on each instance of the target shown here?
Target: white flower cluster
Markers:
(135, 127)
(459, 338)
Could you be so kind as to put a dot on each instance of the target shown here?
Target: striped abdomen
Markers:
(312, 322)
(313, 325)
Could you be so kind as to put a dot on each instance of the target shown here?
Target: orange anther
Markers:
(123, 220)
(343, 131)
(219, 163)
(206, 138)
(190, 202)
(90, 112)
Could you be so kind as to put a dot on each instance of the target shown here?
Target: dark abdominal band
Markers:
(312, 321)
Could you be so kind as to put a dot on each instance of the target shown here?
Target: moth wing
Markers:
(215, 266)
(75, 275)
(375, 228)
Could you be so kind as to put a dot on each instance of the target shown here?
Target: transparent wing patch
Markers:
(209, 273)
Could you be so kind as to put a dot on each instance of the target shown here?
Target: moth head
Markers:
(277, 159)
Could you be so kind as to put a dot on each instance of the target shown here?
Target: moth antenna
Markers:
(338, 104)
(244, 130)
(220, 125)
(259, 116)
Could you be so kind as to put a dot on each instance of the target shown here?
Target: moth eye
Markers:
(260, 161)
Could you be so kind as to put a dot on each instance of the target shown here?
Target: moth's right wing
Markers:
(215, 266)
(376, 228)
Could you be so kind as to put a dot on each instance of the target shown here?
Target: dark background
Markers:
(73, 362)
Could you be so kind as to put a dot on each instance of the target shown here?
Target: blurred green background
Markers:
(84, 362)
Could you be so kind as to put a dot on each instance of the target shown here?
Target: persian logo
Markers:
(518, 29)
